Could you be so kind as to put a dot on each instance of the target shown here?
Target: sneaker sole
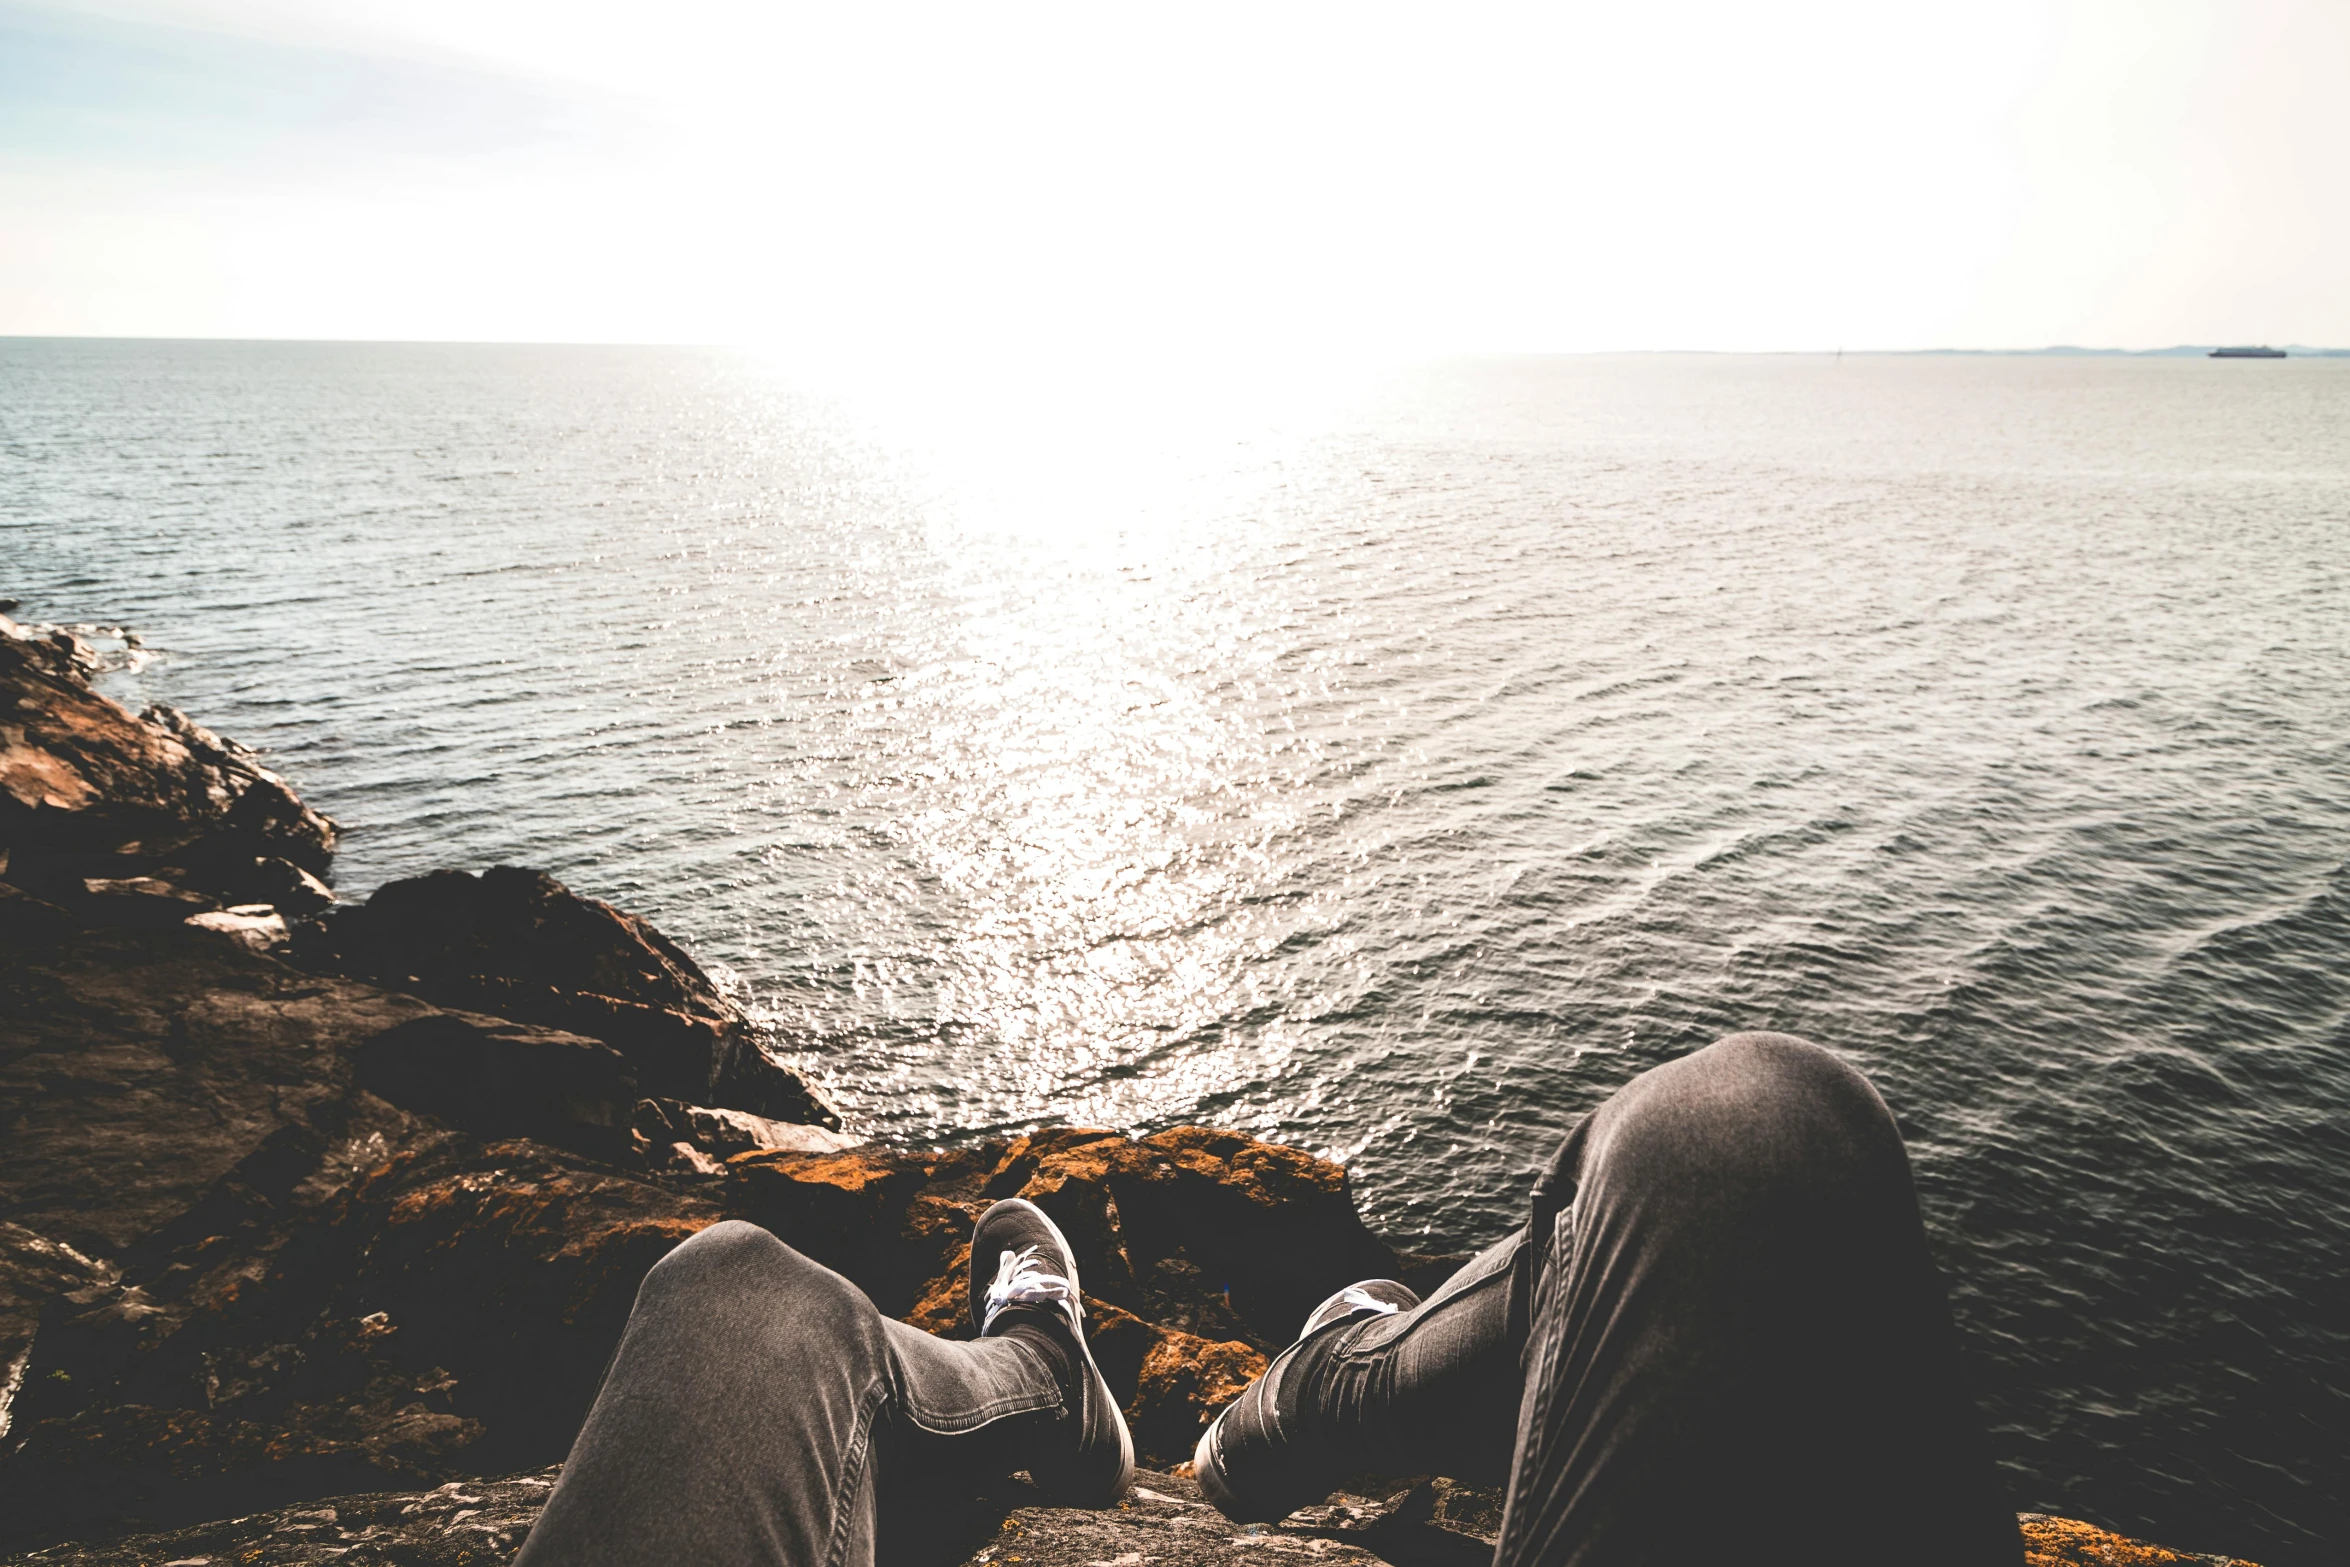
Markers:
(1210, 1475)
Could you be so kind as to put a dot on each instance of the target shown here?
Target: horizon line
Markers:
(2294, 350)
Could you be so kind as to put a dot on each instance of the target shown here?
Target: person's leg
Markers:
(966, 1412)
(1739, 1349)
(754, 1401)
(1429, 1389)
(1698, 1252)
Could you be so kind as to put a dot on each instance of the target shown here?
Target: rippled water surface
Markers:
(1387, 763)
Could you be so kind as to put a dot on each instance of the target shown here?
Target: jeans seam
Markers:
(985, 1415)
(964, 1421)
(853, 1472)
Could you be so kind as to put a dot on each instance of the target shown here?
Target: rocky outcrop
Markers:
(34, 1270)
(522, 928)
(313, 1326)
(137, 1068)
(150, 821)
(136, 815)
(697, 1137)
(496, 1078)
(274, 1234)
(384, 1286)
(519, 944)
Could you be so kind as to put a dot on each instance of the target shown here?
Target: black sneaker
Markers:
(1252, 1467)
(1023, 1274)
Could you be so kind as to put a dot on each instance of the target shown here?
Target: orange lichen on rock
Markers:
(869, 1175)
(944, 1307)
(1184, 1381)
(1267, 1174)
(2068, 1542)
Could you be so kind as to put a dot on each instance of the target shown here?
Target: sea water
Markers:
(1386, 761)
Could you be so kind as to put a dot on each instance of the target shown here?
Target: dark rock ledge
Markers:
(314, 1220)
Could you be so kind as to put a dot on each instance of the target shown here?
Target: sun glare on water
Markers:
(1092, 770)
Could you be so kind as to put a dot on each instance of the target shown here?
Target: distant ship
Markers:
(2248, 353)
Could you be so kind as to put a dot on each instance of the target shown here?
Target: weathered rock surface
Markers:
(91, 793)
(457, 1525)
(34, 1270)
(395, 1305)
(137, 1068)
(495, 1078)
(713, 1134)
(523, 928)
(519, 944)
(1164, 1522)
(257, 927)
(2067, 1542)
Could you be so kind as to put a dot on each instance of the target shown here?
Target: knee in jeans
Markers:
(1787, 1067)
(1780, 1074)
(1751, 1108)
(732, 1257)
(730, 1243)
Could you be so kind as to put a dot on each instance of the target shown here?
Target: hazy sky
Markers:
(1430, 178)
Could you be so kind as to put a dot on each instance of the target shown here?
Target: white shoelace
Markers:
(1021, 1281)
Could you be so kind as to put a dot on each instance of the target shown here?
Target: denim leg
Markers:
(757, 1408)
(1739, 1349)
(963, 1411)
(1433, 1390)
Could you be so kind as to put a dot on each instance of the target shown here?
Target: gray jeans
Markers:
(760, 1410)
(1718, 1339)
